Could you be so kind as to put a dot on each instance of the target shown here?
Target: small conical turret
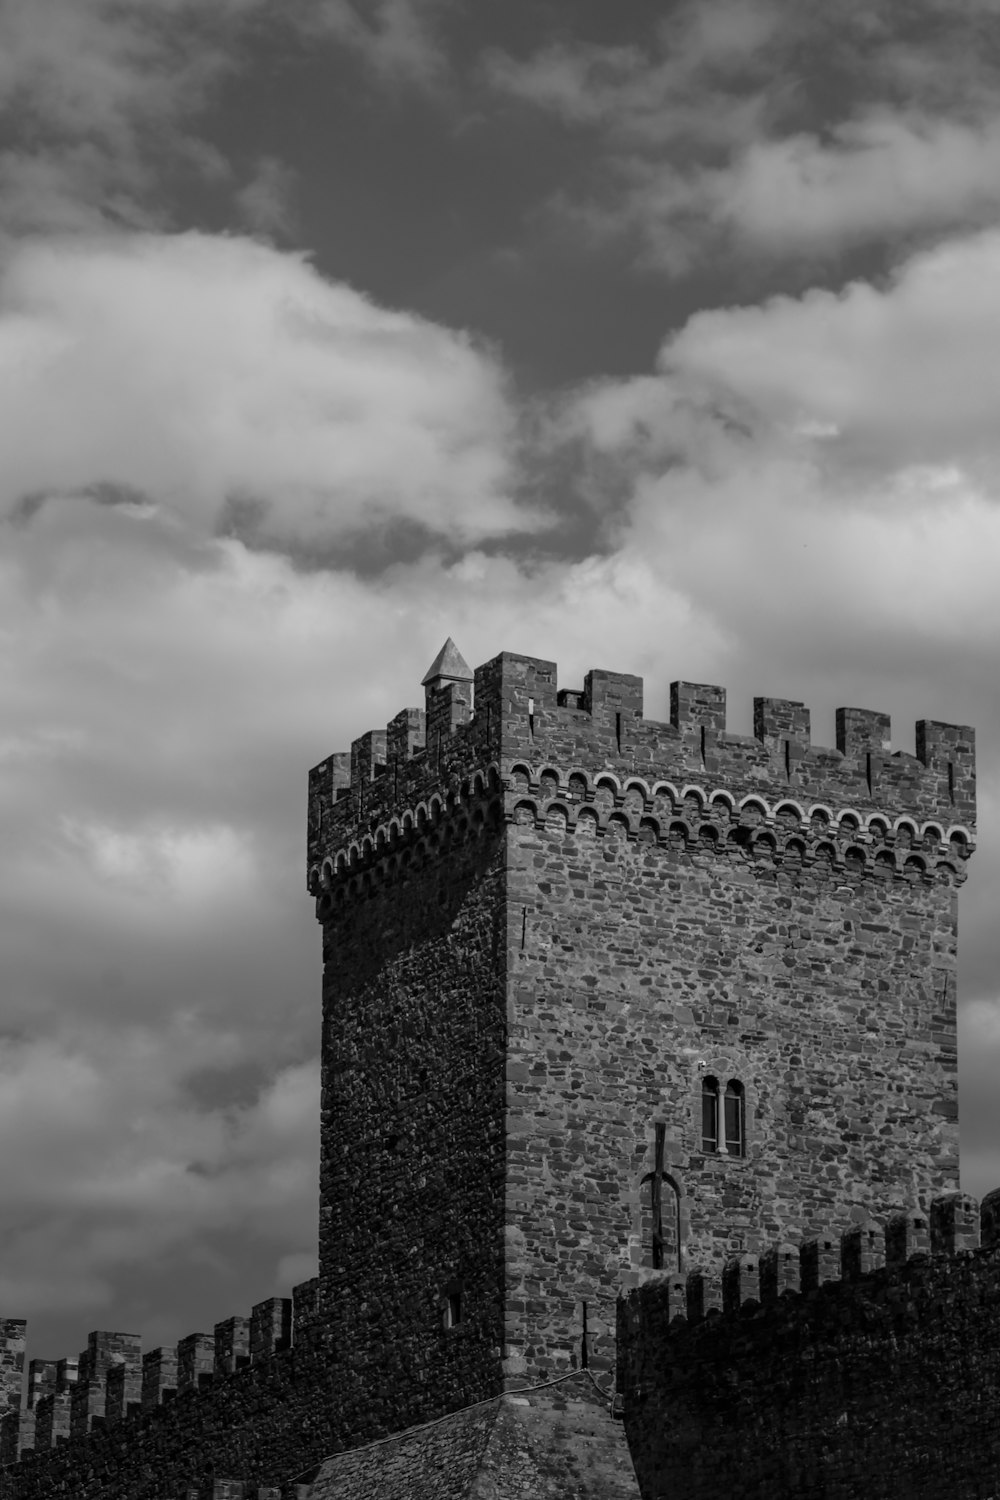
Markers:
(448, 666)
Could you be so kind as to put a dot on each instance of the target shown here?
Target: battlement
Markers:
(868, 1252)
(863, 1362)
(511, 718)
(113, 1382)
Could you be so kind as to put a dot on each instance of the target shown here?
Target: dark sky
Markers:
(658, 338)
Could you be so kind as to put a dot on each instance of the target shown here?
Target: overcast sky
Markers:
(655, 337)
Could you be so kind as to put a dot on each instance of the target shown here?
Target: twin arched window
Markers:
(723, 1117)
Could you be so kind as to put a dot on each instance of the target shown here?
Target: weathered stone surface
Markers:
(548, 1445)
(886, 1385)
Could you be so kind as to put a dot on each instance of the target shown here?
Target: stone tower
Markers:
(602, 993)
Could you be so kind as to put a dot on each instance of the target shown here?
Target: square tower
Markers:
(603, 993)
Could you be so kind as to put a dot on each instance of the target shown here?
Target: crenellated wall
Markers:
(260, 1398)
(362, 802)
(862, 1364)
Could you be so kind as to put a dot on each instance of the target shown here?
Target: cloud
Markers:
(774, 129)
(265, 202)
(233, 387)
(397, 39)
(103, 100)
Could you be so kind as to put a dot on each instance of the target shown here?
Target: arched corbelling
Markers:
(479, 784)
(959, 834)
(341, 862)
(552, 772)
(765, 837)
(854, 853)
(885, 857)
(525, 804)
(326, 875)
(618, 824)
(522, 770)
(587, 821)
(820, 809)
(708, 833)
(877, 821)
(668, 788)
(649, 828)
(577, 784)
(930, 828)
(850, 819)
(434, 807)
(916, 862)
(945, 869)
(494, 779)
(678, 828)
(610, 782)
(367, 847)
(353, 855)
(380, 837)
(408, 822)
(698, 792)
(825, 850)
(907, 824)
(313, 881)
(788, 806)
(795, 849)
(756, 802)
(719, 796)
(395, 829)
(636, 783)
(557, 805)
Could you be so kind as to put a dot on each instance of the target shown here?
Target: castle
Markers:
(625, 1022)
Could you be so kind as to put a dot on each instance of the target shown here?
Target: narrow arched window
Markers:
(723, 1117)
(735, 1118)
(709, 1114)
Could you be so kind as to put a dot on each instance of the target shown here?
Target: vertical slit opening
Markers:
(524, 925)
(951, 780)
(618, 732)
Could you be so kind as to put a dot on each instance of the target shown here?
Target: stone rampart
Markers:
(860, 1365)
(257, 1399)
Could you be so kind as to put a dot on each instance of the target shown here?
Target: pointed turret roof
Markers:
(450, 664)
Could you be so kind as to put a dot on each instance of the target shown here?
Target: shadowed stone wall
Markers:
(868, 1384)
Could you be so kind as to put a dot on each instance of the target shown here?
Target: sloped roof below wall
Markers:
(555, 1443)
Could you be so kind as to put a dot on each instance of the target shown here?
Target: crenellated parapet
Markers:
(113, 1382)
(861, 1363)
(870, 1256)
(589, 761)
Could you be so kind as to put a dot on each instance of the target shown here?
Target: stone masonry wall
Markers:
(412, 1165)
(874, 1382)
(638, 966)
(679, 902)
